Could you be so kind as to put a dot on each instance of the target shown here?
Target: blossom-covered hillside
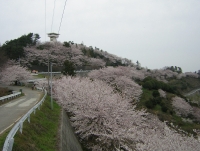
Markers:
(103, 110)
(126, 108)
(83, 57)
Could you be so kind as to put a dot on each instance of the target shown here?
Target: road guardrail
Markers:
(11, 96)
(8, 144)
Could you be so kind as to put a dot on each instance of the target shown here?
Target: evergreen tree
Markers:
(3, 58)
(180, 70)
(15, 48)
(66, 44)
(69, 68)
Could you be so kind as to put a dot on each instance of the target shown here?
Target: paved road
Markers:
(14, 110)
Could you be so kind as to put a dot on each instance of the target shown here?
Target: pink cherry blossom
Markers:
(13, 73)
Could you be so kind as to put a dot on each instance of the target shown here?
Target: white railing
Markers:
(80, 71)
(35, 80)
(8, 144)
(77, 71)
(192, 92)
(49, 72)
(11, 96)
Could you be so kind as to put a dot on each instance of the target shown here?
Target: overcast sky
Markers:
(157, 33)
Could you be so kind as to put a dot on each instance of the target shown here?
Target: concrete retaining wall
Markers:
(69, 141)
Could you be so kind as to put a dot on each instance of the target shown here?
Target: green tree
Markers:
(66, 44)
(138, 65)
(156, 93)
(15, 48)
(35, 38)
(172, 68)
(180, 70)
(69, 68)
(3, 58)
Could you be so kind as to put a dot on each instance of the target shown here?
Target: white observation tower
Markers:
(53, 36)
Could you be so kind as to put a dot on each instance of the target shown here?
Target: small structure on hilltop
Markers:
(53, 36)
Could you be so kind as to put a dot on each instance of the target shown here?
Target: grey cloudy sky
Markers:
(157, 33)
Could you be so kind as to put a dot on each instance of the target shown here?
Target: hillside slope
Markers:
(83, 57)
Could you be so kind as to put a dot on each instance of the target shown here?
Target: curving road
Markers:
(15, 109)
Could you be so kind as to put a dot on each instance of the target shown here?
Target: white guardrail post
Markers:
(8, 144)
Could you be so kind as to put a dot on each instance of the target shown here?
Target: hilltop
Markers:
(33, 54)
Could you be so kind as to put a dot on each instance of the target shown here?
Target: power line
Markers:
(62, 17)
(53, 14)
(45, 22)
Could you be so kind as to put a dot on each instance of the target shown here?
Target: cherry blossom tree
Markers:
(191, 74)
(43, 83)
(162, 93)
(14, 73)
(98, 112)
(120, 79)
(162, 74)
(165, 73)
(165, 138)
(196, 113)
(181, 107)
(130, 72)
(112, 58)
(181, 75)
(97, 62)
(58, 53)
(103, 116)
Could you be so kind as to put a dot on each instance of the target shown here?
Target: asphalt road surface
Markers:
(12, 111)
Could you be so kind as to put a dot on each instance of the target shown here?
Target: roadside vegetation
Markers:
(42, 131)
(39, 76)
(163, 106)
(195, 98)
(185, 84)
(4, 91)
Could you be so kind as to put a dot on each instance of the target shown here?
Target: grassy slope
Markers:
(41, 133)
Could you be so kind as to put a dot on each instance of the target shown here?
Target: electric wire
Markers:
(62, 16)
(53, 15)
(45, 21)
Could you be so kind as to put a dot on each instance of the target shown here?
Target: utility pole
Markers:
(51, 88)
(48, 74)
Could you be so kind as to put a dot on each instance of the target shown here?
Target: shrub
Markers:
(150, 83)
(149, 104)
(164, 108)
(156, 100)
(156, 93)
